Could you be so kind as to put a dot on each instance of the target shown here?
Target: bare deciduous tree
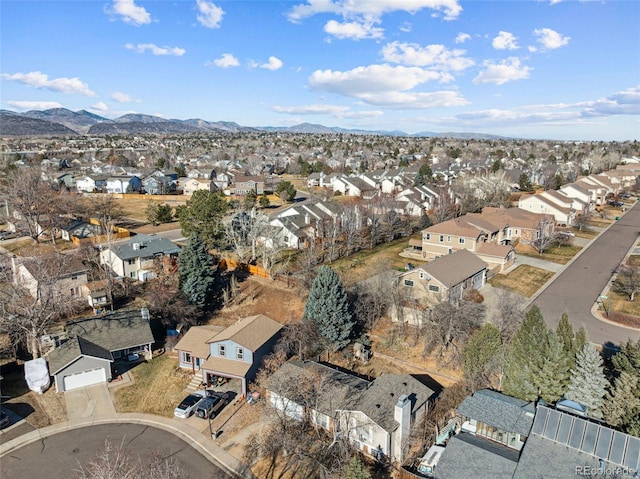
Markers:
(627, 280)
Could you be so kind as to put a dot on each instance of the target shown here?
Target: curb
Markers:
(214, 453)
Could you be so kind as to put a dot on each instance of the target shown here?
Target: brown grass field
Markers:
(525, 280)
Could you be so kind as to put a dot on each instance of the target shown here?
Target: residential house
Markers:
(244, 184)
(578, 191)
(159, 185)
(134, 257)
(191, 185)
(376, 415)
(67, 180)
(124, 184)
(94, 344)
(91, 184)
(193, 349)
(543, 205)
(519, 224)
(79, 229)
(63, 275)
(506, 438)
(444, 279)
(237, 352)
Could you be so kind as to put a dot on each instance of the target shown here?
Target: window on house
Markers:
(427, 236)
(239, 354)
(441, 238)
(433, 287)
(421, 275)
(221, 350)
(74, 276)
(132, 261)
(132, 274)
(408, 282)
(461, 240)
(186, 357)
(448, 239)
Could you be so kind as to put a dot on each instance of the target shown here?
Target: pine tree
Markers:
(553, 373)
(571, 343)
(196, 272)
(524, 356)
(622, 403)
(588, 383)
(328, 307)
(357, 470)
(481, 354)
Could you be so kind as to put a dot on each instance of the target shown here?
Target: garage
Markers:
(85, 378)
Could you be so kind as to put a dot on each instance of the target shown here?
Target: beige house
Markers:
(60, 275)
(543, 205)
(519, 224)
(191, 185)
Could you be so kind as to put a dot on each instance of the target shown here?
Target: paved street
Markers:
(60, 455)
(576, 289)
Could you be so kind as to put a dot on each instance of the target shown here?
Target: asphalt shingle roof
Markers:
(498, 410)
(149, 246)
(250, 332)
(452, 269)
(71, 350)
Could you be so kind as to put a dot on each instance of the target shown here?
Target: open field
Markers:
(157, 387)
(525, 280)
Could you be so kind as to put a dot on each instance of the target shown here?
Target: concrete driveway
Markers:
(91, 401)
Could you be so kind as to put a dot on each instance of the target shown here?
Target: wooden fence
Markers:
(228, 263)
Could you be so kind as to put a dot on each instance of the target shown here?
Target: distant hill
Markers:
(79, 121)
(18, 125)
(61, 121)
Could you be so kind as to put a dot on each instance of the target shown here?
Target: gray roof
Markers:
(71, 350)
(349, 392)
(472, 457)
(149, 246)
(452, 269)
(115, 331)
(500, 411)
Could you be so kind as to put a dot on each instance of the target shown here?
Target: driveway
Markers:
(579, 285)
(91, 401)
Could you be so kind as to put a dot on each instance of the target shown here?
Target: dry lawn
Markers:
(555, 254)
(157, 387)
(525, 280)
(634, 260)
(137, 207)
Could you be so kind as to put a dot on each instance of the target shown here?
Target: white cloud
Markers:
(406, 27)
(130, 12)
(553, 2)
(462, 37)
(372, 9)
(503, 72)
(210, 15)
(416, 100)
(227, 60)
(41, 80)
(437, 56)
(353, 30)
(120, 97)
(505, 41)
(155, 49)
(33, 105)
(550, 39)
(274, 63)
(625, 102)
(371, 79)
(331, 110)
(100, 106)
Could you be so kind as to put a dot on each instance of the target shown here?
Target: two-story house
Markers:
(159, 185)
(91, 183)
(245, 184)
(191, 185)
(134, 258)
(376, 415)
(234, 353)
(123, 184)
(61, 275)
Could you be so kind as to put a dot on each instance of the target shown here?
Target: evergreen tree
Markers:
(265, 202)
(481, 353)
(202, 214)
(250, 199)
(588, 383)
(622, 403)
(328, 307)
(524, 356)
(553, 373)
(627, 359)
(357, 470)
(196, 272)
(569, 340)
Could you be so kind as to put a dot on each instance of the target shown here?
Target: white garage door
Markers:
(86, 378)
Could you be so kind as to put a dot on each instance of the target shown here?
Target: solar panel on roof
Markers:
(552, 425)
(564, 430)
(632, 457)
(617, 447)
(575, 440)
(590, 437)
(539, 420)
(604, 442)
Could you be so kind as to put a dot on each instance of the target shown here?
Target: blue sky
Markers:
(567, 70)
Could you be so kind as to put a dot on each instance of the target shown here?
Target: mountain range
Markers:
(64, 122)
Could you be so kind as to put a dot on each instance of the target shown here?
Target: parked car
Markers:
(4, 419)
(211, 406)
(188, 406)
(616, 203)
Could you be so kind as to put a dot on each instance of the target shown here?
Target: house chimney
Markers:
(402, 415)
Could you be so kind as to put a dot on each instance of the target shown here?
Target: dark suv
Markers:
(211, 406)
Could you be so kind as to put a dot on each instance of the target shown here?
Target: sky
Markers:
(552, 69)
